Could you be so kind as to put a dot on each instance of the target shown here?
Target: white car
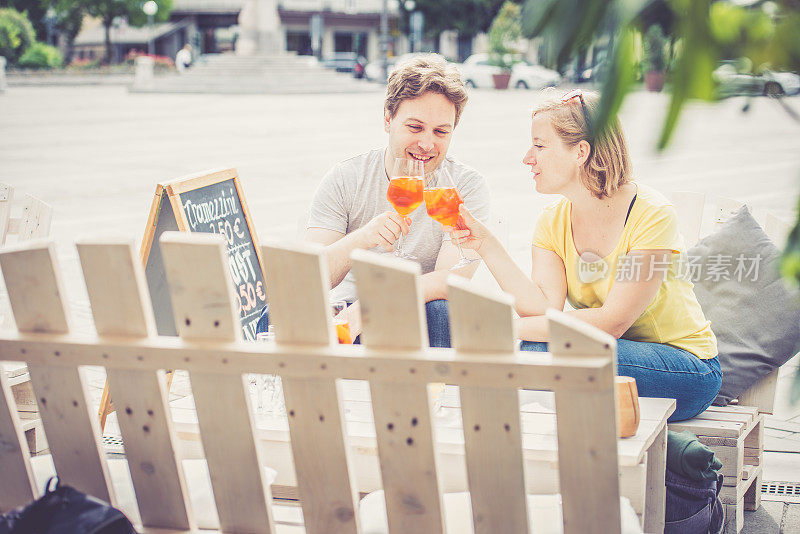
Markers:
(527, 76)
(734, 78)
(477, 72)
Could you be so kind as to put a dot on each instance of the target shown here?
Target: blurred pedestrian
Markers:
(183, 59)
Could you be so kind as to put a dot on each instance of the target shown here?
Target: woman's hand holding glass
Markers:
(469, 232)
(443, 202)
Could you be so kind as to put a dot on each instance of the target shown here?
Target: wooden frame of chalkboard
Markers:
(177, 192)
(209, 201)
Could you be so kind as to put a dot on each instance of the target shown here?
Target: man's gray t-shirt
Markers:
(353, 192)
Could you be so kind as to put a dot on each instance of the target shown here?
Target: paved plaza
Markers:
(96, 153)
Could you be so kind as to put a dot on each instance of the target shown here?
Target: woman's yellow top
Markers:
(674, 317)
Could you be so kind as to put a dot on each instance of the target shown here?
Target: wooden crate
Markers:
(736, 435)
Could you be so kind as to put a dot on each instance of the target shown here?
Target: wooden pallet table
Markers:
(642, 457)
(736, 435)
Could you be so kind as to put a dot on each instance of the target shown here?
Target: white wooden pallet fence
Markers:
(395, 360)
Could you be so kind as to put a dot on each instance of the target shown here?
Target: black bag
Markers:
(693, 506)
(65, 510)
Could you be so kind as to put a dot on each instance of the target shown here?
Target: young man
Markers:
(424, 100)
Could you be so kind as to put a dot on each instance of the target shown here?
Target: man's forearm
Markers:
(434, 283)
(338, 256)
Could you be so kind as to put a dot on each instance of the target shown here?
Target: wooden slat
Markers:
(689, 207)
(586, 462)
(30, 269)
(34, 289)
(199, 179)
(655, 500)
(700, 427)
(6, 197)
(393, 317)
(301, 264)
(305, 360)
(762, 393)
(121, 307)
(19, 486)
(491, 419)
(35, 219)
(204, 308)
(380, 325)
(297, 287)
(727, 417)
(732, 408)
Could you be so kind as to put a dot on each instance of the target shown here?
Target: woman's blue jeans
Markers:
(666, 372)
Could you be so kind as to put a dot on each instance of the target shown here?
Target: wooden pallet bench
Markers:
(736, 435)
(735, 432)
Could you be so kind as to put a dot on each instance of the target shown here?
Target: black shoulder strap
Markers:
(630, 208)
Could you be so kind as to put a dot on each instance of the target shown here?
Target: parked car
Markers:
(734, 78)
(525, 75)
(346, 62)
(593, 73)
(477, 72)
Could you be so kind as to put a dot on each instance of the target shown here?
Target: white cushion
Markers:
(544, 514)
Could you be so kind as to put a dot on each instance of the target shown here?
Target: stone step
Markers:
(228, 74)
(260, 79)
(265, 72)
(248, 89)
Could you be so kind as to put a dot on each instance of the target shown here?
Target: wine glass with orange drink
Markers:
(405, 191)
(341, 323)
(442, 203)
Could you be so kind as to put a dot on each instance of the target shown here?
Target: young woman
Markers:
(611, 248)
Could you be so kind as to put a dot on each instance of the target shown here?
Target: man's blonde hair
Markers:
(423, 74)
(609, 165)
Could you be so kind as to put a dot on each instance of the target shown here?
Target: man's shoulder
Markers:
(460, 170)
(359, 163)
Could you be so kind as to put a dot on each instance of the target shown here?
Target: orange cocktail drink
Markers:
(341, 322)
(405, 194)
(442, 204)
(343, 333)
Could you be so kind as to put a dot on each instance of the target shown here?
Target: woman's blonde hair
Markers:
(608, 166)
(423, 74)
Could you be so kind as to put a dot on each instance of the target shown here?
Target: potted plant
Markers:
(504, 36)
(654, 58)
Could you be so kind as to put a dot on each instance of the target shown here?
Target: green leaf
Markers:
(618, 82)
(727, 22)
(692, 74)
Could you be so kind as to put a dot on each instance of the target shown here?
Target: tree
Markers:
(702, 32)
(69, 22)
(467, 17)
(108, 10)
(16, 34)
(654, 49)
(35, 11)
(504, 34)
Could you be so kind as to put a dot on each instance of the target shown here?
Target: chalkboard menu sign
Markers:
(210, 202)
